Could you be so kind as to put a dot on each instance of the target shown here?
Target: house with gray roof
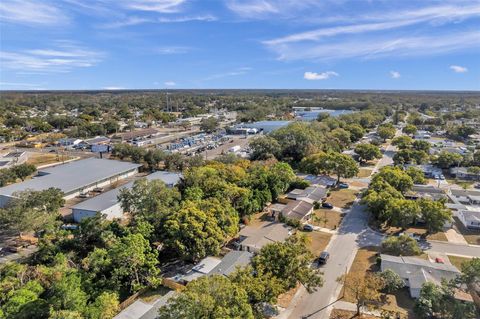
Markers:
(108, 205)
(231, 261)
(298, 210)
(415, 271)
(73, 178)
(310, 194)
(469, 218)
(252, 239)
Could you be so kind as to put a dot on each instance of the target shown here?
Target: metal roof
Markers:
(108, 199)
(72, 176)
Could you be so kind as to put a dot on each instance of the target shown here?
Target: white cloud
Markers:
(319, 76)
(395, 74)
(458, 69)
(204, 18)
(170, 83)
(63, 58)
(374, 47)
(236, 72)
(251, 8)
(162, 6)
(31, 13)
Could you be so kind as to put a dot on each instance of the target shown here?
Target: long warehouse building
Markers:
(108, 205)
(73, 178)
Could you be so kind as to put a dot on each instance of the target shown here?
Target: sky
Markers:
(264, 44)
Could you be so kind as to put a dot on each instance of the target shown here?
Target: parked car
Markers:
(307, 227)
(84, 195)
(439, 260)
(322, 259)
(327, 205)
(98, 189)
(477, 186)
(342, 185)
(442, 177)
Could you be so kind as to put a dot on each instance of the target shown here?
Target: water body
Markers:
(312, 115)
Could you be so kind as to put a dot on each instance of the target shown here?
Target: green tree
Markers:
(402, 142)
(192, 232)
(392, 281)
(367, 152)
(394, 176)
(105, 306)
(209, 125)
(420, 145)
(448, 159)
(409, 129)
(289, 261)
(386, 132)
(356, 132)
(417, 175)
(402, 212)
(264, 147)
(434, 214)
(24, 170)
(364, 289)
(401, 246)
(67, 293)
(339, 164)
(214, 297)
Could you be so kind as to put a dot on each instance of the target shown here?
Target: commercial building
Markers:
(108, 205)
(73, 178)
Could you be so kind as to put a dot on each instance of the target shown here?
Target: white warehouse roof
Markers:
(72, 176)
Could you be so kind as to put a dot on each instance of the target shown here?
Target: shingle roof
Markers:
(72, 176)
(297, 209)
(231, 261)
(314, 193)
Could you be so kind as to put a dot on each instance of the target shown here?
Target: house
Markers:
(470, 219)
(231, 261)
(141, 309)
(425, 191)
(310, 194)
(464, 173)
(415, 271)
(204, 267)
(69, 142)
(429, 171)
(73, 178)
(108, 205)
(466, 197)
(319, 180)
(252, 239)
(298, 210)
(13, 158)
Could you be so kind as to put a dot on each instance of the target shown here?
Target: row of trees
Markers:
(386, 201)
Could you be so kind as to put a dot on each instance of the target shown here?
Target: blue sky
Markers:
(323, 44)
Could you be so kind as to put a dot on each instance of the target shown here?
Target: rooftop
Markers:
(231, 261)
(297, 209)
(313, 193)
(110, 198)
(72, 176)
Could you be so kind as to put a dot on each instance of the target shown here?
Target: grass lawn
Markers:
(342, 198)
(317, 241)
(345, 314)
(39, 159)
(457, 261)
(364, 172)
(471, 236)
(327, 218)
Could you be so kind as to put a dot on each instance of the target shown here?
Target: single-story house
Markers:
(231, 261)
(69, 142)
(145, 310)
(470, 219)
(319, 180)
(415, 271)
(299, 210)
(73, 178)
(108, 205)
(464, 173)
(310, 194)
(204, 267)
(425, 191)
(252, 239)
(466, 197)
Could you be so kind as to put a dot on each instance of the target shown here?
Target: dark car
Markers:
(327, 205)
(322, 259)
(342, 185)
(307, 227)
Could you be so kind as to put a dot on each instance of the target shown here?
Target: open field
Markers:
(317, 241)
(327, 218)
(40, 159)
(364, 172)
(342, 198)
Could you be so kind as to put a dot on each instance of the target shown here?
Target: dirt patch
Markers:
(40, 159)
(345, 314)
(285, 299)
(364, 172)
(327, 218)
(342, 198)
(317, 241)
